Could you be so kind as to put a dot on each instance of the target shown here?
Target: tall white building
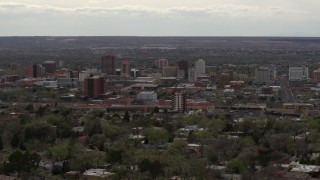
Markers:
(201, 67)
(298, 73)
(192, 74)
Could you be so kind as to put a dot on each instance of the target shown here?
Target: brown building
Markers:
(108, 64)
(183, 65)
(35, 70)
(179, 102)
(50, 66)
(224, 79)
(169, 71)
(94, 86)
(125, 68)
(160, 63)
(316, 76)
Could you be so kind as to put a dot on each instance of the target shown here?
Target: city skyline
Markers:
(159, 18)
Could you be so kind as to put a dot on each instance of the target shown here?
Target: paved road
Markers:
(285, 92)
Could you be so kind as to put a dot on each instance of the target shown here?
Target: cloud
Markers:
(227, 10)
(215, 19)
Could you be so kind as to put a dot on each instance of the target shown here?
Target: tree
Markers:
(82, 159)
(156, 135)
(126, 117)
(93, 126)
(29, 107)
(1, 143)
(115, 156)
(156, 109)
(15, 141)
(114, 132)
(62, 124)
(41, 131)
(236, 166)
(22, 162)
(155, 168)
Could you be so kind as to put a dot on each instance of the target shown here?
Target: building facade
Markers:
(108, 64)
(179, 102)
(125, 68)
(94, 86)
(160, 63)
(201, 67)
(192, 74)
(35, 71)
(298, 73)
(183, 65)
(262, 75)
(316, 76)
(170, 71)
(50, 66)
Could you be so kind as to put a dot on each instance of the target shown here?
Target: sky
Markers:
(159, 18)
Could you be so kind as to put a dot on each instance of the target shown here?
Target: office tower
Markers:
(179, 102)
(224, 79)
(108, 64)
(94, 86)
(192, 74)
(160, 63)
(170, 71)
(316, 76)
(201, 67)
(262, 75)
(125, 68)
(273, 72)
(183, 65)
(181, 74)
(298, 73)
(35, 71)
(50, 66)
(135, 72)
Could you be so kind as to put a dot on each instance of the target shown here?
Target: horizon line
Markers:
(159, 36)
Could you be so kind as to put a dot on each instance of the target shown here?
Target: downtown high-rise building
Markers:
(201, 67)
(179, 102)
(192, 74)
(94, 86)
(108, 64)
(316, 76)
(125, 68)
(262, 75)
(183, 65)
(50, 66)
(35, 71)
(298, 73)
(161, 63)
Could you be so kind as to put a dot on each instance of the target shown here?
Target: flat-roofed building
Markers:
(94, 86)
(298, 73)
(160, 63)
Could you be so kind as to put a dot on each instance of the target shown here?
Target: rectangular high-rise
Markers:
(179, 102)
(161, 63)
(35, 71)
(183, 65)
(170, 71)
(94, 86)
(316, 76)
(108, 64)
(262, 75)
(298, 73)
(192, 74)
(201, 67)
(125, 68)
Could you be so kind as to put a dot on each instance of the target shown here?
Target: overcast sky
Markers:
(160, 17)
